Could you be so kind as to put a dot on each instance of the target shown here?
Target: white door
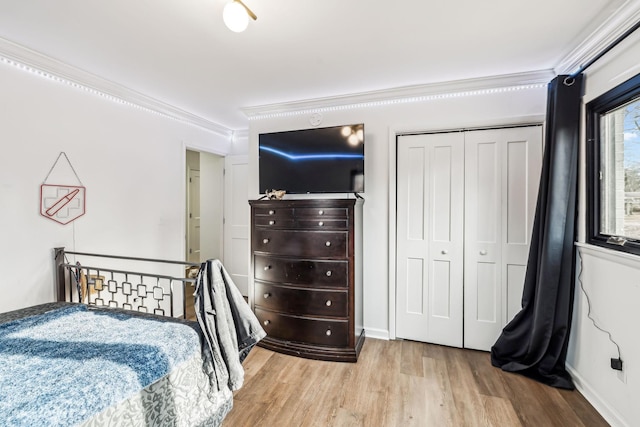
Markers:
(193, 216)
(502, 173)
(236, 221)
(429, 273)
(211, 206)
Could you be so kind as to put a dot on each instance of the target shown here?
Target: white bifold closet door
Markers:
(465, 208)
(502, 175)
(430, 238)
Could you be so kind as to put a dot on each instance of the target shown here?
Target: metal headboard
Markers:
(111, 287)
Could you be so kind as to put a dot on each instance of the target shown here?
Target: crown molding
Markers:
(31, 61)
(619, 21)
(240, 134)
(406, 94)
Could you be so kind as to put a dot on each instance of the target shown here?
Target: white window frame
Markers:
(605, 184)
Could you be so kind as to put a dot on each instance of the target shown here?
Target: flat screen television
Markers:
(319, 160)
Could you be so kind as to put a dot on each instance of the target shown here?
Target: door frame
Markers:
(183, 159)
(394, 132)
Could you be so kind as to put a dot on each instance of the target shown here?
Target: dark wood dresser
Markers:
(307, 276)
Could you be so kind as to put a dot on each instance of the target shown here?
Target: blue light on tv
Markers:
(296, 157)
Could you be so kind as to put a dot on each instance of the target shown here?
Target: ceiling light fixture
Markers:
(236, 16)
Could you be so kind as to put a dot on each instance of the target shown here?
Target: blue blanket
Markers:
(64, 366)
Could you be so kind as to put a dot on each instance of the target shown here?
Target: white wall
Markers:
(612, 282)
(380, 122)
(131, 162)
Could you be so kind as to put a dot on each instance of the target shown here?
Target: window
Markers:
(613, 168)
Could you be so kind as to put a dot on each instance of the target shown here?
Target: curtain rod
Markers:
(606, 50)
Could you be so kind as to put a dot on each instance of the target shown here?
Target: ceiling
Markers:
(180, 53)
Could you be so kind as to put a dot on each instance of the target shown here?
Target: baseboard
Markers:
(608, 413)
(380, 334)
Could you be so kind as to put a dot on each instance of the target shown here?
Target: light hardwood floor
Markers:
(399, 383)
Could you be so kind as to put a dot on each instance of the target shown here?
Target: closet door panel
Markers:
(500, 204)
(416, 185)
(412, 247)
(516, 200)
(484, 171)
(515, 284)
(429, 238)
(521, 176)
(487, 287)
(441, 294)
(446, 245)
(414, 270)
(415, 297)
(442, 197)
(483, 236)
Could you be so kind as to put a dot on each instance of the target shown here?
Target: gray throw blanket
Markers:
(229, 326)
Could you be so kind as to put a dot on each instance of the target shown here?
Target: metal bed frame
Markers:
(129, 290)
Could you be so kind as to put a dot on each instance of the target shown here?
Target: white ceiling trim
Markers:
(403, 95)
(620, 21)
(44, 66)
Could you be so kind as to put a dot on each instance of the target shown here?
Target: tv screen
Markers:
(320, 160)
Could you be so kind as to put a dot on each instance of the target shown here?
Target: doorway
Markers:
(204, 235)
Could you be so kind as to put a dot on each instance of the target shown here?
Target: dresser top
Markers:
(297, 203)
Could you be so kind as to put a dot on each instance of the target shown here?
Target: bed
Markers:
(117, 348)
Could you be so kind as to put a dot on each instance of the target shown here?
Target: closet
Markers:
(465, 208)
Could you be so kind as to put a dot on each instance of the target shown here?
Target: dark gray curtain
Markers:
(535, 342)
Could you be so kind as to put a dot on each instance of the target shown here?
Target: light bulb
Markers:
(346, 131)
(235, 17)
(360, 134)
(353, 139)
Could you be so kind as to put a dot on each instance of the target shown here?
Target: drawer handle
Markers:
(265, 241)
(267, 267)
(328, 332)
(272, 222)
(320, 212)
(321, 223)
(483, 252)
(267, 295)
(266, 322)
(329, 273)
(328, 303)
(327, 244)
(272, 212)
(444, 252)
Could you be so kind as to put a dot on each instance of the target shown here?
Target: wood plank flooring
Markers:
(400, 383)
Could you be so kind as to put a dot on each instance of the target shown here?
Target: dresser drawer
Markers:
(304, 329)
(273, 211)
(301, 272)
(324, 223)
(312, 302)
(309, 224)
(274, 222)
(316, 244)
(321, 212)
